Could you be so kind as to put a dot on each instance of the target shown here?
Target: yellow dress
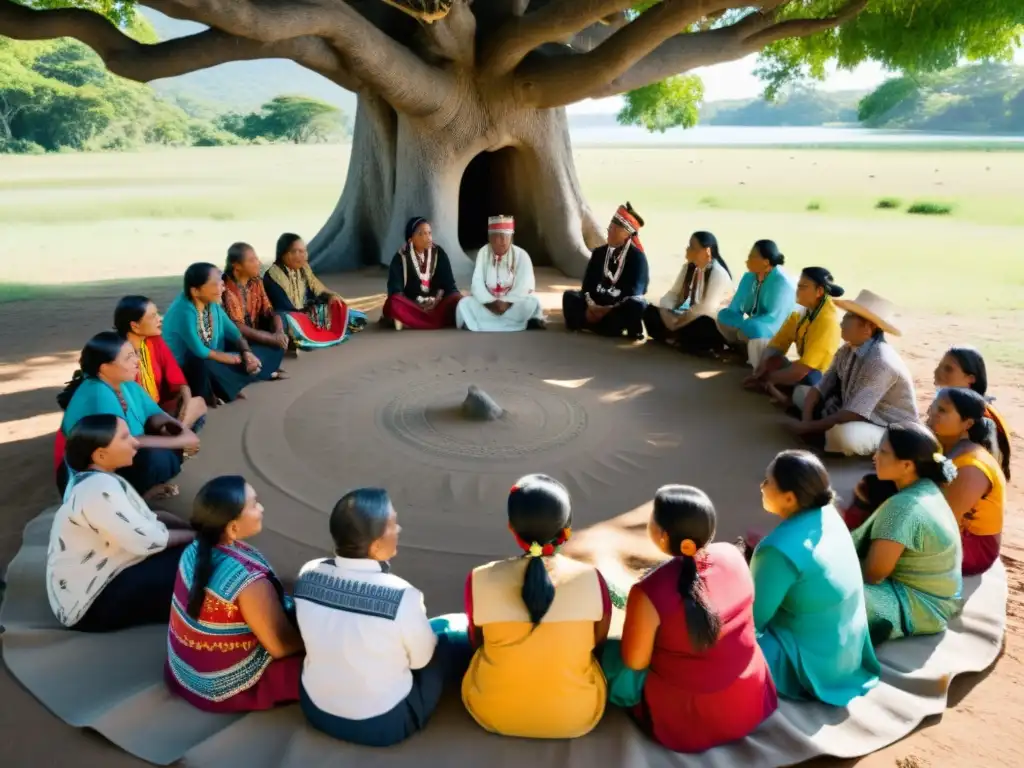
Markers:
(817, 336)
(543, 682)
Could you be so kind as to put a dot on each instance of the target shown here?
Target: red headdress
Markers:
(627, 218)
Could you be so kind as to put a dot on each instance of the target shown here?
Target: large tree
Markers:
(461, 103)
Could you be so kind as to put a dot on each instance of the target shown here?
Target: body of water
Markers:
(751, 136)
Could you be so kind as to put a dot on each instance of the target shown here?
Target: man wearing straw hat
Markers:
(867, 387)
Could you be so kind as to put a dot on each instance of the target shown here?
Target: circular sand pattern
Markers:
(429, 418)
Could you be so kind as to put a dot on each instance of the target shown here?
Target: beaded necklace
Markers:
(499, 289)
(424, 267)
(614, 276)
(204, 323)
(808, 318)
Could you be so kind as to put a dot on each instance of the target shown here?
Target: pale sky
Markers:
(736, 80)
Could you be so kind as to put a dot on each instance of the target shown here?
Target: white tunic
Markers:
(102, 527)
(509, 280)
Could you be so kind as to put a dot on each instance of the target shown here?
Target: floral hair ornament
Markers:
(938, 458)
(536, 549)
(688, 548)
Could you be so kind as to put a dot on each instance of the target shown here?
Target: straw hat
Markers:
(871, 307)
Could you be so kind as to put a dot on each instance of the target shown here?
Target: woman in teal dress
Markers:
(217, 361)
(808, 595)
(910, 546)
(763, 300)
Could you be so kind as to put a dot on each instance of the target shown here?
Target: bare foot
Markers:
(161, 491)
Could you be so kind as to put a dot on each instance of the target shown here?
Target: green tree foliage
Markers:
(297, 119)
(981, 98)
(909, 36)
(58, 95)
(675, 102)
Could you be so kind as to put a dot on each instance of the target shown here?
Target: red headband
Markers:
(629, 222)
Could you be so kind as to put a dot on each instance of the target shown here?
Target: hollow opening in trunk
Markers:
(488, 188)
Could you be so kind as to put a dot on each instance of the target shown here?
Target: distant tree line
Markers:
(58, 96)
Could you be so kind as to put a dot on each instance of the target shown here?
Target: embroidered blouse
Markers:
(246, 303)
(293, 290)
(217, 655)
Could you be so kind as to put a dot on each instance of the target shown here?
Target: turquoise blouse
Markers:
(95, 396)
(181, 330)
(758, 314)
(809, 610)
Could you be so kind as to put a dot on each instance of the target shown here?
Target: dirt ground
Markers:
(39, 343)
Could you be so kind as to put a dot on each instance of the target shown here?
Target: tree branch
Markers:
(137, 61)
(567, 79)
(555, 21)
(404, 80)
(453, 38)
(750, 34)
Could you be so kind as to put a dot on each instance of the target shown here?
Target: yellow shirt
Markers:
(986, 519)
(816, 341)
(543, 682)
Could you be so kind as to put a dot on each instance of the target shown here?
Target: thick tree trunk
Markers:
(486, 159)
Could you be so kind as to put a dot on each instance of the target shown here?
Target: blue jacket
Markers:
(774, 304)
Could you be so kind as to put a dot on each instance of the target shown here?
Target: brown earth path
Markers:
(39, 344)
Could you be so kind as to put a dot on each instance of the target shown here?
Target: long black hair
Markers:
(130, 309)
(802, 474)
(539, 510)
(973, 364)
(236, 255)
(216, 506)
(822, 278)
(101, 349)
(916, 443)
(88, 435)
(685, 512)
(770, 252)
(284, 244)
(708, 240)
(358, 519)
(196, 276)
(971, 405)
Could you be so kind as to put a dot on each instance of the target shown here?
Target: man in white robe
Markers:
(502, 295)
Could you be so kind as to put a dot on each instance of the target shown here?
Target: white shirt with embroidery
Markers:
(102, 527)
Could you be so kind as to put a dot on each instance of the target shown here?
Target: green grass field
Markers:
(77, 218)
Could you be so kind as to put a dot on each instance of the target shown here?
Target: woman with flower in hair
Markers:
(689, 666)
(535, 621)
(421, 287)
(909, 548)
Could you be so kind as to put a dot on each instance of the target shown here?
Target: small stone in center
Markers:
(479, 406)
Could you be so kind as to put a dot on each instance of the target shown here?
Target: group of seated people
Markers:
(712, 636)
(227, 329)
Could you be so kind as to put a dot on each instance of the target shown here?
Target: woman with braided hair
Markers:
(689, 666)
(535, 621)
(232, 644)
